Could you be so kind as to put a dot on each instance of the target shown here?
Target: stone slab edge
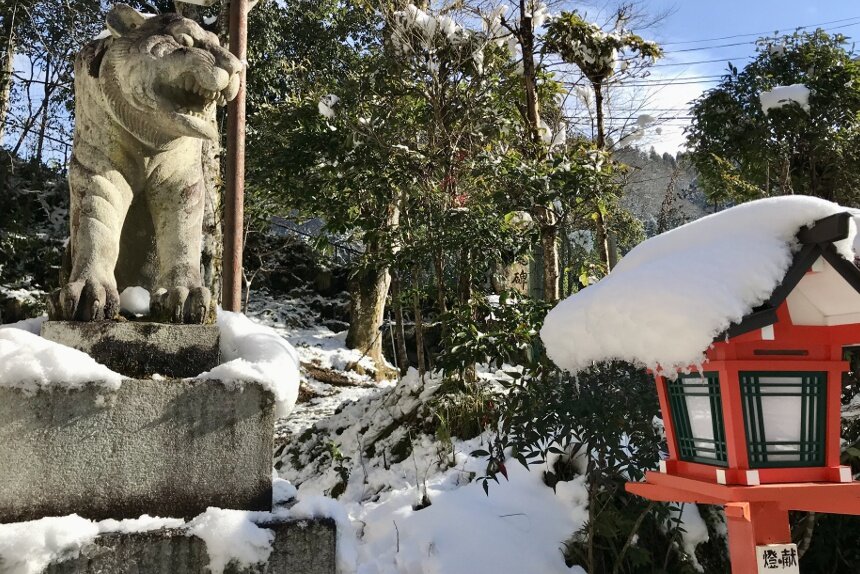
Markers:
(300, 547)
(141, 349)
(163, 448)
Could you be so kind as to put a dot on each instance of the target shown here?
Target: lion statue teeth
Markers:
(145, 99)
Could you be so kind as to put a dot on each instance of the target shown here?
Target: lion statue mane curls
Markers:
(145, 99)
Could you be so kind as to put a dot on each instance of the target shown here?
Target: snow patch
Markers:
(231, 536)
(781, 96)
(135, 300)
(655, 310)
(326, 105)
(282, 490)
(29, 362)
(519, 527)
(694, 531)
(256, 353)
(29, 547)
(145, 523)
(30, 325)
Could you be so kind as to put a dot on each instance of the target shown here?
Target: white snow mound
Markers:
(30, 325)
(135, 300)
(781, 96)
(671, 295)
(255, 353)
(693, 530)
(28, 547)
(231, 536)
(29, 362)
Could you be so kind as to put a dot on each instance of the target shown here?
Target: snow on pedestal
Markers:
(29, 362)
(668, 298)
(288, 540)
(112, 446)
(135, 300)
(256, 353)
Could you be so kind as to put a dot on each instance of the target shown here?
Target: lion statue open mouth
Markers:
(145, 99)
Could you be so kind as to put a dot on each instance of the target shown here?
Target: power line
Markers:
(727, 59)
(757, 33)
(682, 81)
(664, 80)
(661, 84)
(621, 118)
(747, 43)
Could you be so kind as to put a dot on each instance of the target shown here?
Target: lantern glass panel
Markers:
(784, 418)
(697, 417)
(701, 419)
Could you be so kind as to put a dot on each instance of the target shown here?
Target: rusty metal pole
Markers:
(234, 200)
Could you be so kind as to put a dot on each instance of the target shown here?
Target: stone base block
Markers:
(157, 447)
(300, 547)
(140, 350)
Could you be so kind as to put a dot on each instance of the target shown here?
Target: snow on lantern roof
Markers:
(821, 287)
(672, 295)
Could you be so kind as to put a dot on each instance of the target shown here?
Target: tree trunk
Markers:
(603, 241)
(548, 238)
(598, 104)
(439, 266)
(527, 43)
(368, 290)
(465, 283)
(607, 243)
(43, 121)
(545, 215)
(7, 57)
(399, 336)
(419, 322)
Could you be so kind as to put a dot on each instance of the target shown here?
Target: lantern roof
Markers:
(828, 283)
(673, 295)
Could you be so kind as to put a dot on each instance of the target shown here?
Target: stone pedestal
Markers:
(137, 349)
(300, 547)
(158, 447)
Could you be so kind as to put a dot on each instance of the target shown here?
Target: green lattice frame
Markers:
(677, 391)
(812, 391)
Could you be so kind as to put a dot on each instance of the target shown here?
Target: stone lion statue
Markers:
(145, 98)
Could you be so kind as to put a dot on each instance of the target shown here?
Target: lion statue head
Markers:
(163, 75)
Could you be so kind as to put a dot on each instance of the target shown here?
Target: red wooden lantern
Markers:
(757, 428)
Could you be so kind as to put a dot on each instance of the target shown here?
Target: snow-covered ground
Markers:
(520, 527)
(410, 496)
(293, 319)
(326, 450)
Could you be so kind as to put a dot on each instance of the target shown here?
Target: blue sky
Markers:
(699, 23)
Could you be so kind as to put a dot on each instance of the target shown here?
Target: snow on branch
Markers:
(591, 49)
(781, 96)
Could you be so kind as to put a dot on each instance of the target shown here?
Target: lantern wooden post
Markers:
(751, 525)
